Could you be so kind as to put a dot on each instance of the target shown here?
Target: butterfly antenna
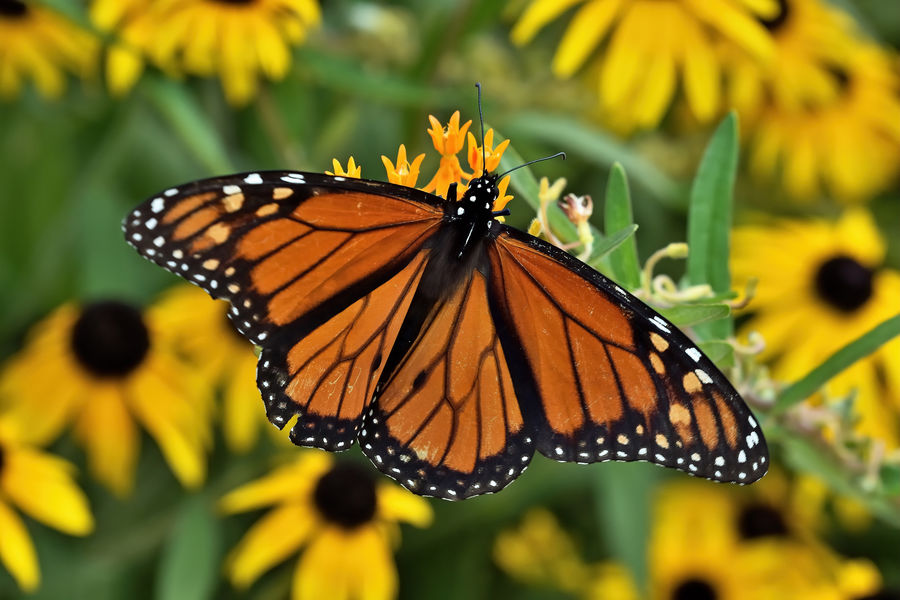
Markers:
(531, 162)
(481, 118)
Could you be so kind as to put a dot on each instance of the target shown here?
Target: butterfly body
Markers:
(447, 344)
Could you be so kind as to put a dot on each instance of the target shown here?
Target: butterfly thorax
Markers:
(473, 215)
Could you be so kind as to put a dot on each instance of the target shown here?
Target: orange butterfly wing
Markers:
(446, 421)
(612, 379)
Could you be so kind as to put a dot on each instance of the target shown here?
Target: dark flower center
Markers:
(2, 459)
(13, 8)
(844, 283)
(694, 589)
(760, 520)
(345, 495)
(110, 338)
(774, 23)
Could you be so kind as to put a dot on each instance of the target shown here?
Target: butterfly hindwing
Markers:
(288, 250)
(614, 380)
(328, 377)
(446, 421)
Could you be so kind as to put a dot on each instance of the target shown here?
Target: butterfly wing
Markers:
(446, 422)
(613, 379)
(327, 260)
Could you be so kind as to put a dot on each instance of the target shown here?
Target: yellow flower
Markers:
(848, 141)
(729, 544)
(653, 46)
(42, 486)
(540, 552)
(233, 39)
(100, 368)
(405, 173)
(39, 44)
(448, 142)
(491, 155)
(352, 169)
(347, 522)
(198, 329)
(821, 285)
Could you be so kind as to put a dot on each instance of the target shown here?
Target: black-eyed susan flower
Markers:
(825, 113)
(235, 40)
(39, 44)
(198, 329)
(653, 46)
(710, 542)
(41, 486)
(100, 368)
(822, 285)
(346, 523)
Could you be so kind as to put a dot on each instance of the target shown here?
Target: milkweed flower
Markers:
(235, 40)
(346, 522)
(405, 172)
(653, 47)
(821, 285)
(353, 170)
(100, 368)
(40, 44)
(41, 486)
(448, 141)
(197, 328)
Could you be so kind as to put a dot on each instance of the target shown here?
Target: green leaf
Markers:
(191, 558)
(890, 479)
(689, 315)
(709, 219)
(617, 216)
(179, 108)
(574, 136)
(721, 353)
(609, 244)
(837, 362)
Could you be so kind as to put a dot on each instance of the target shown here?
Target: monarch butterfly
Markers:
(450, 345)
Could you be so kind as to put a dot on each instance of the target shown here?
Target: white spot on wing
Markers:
(253, 179)
(693, 353)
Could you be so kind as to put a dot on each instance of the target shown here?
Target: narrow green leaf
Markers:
(690, 315)
(189, 122)
(837, 362)
(709, 219)
(617, 216)
(603, 248)
(571, 135)
(190, 562)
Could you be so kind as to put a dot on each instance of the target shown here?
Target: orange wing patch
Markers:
(446, 422)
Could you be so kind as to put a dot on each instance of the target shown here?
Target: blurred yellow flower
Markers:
(352, 170)
(232, 39)
(708, 543)
(822, 285)
(826, 111)
(653, 46)
(540, 552)
(347, 522)
(198, 329)
(40, 44)
(42, 486)
(99, 367)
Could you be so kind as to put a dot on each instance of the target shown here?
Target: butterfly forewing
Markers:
(613, 380)
(286, 249)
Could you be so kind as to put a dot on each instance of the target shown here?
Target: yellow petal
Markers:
(587, 28)
(538, 14)
(107, 431)
(271, 50)
(269, 541)
(17, 551)
(397, 504)
(701, 72)
(657, 92)
(241, 405)
(285, 483)
(42, 486)
(622, 66)
(123, 68)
